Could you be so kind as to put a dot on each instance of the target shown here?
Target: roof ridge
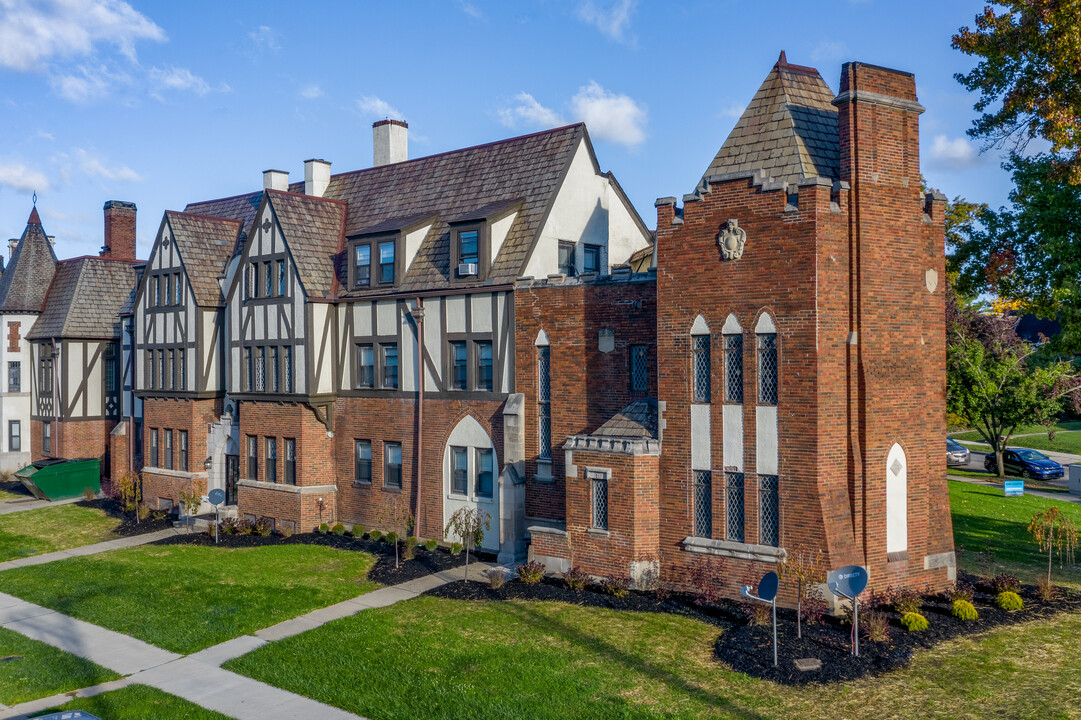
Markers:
(272, 193)
(204, 217)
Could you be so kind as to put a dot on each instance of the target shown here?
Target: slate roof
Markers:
(30, 270)
(205, 244)
(238, 207)
(788, 131)
(639, 419)
(85, 299)
(313, 229)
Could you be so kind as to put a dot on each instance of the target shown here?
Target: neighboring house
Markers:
(22, 294)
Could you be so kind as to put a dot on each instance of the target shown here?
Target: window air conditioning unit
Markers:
(467, 269)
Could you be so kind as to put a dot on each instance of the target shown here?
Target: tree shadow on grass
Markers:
(610, 652)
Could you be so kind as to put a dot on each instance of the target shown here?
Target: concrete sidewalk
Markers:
(31, 503)
(124, 542)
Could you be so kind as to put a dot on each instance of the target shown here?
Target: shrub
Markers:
(758, 613)
(357, 531)
(496, 578)
(962, 591)
(875, 625)
(914, 622)
(431, 545)
(262, 527)
(576, 578)
(375, 535)
(324, 528)
(286, 531)
(1009, 601)
(1044, 589)
(814, 607)
(906, 600)
(409, 548)
(616, 586)
(338, 529)
(456, 548)
(230, 526)
(531, 572)
(88, 494)
(162, 514)
(391, 538)
(1006, 583)
(245, 527)
(964, 610)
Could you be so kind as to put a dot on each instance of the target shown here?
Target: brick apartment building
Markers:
(496, 328)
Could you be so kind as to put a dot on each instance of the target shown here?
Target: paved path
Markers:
(124, 542)
(31, 503)
(1058, 497)
(199, 678)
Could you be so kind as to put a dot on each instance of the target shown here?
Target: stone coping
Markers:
(282, 487)
(621, 445)
(736, 550)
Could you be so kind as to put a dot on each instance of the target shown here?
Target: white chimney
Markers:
(316, 177)
(391, 142)
(12, 244)
(275, 180)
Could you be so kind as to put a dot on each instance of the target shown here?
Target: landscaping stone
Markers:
(808, 664)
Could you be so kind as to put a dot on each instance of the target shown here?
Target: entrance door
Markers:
(471, 477)
(232, 472)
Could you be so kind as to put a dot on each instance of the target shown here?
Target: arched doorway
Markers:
(471, 476)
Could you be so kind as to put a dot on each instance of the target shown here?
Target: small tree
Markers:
(398, 518)
(129, 493)
(190, 500)
(804, 567)
(469, 524)
(1053, 531)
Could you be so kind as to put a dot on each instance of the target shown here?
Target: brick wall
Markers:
(176, 414)
(74, 439)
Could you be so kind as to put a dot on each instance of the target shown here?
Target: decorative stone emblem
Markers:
(731, 240)
(897, 467)
(606, 340)
(266, 224)
(931, 279)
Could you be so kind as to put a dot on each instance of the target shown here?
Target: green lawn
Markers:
(1030, 484)
(185, 598)
(984, 521)
(975, 435)
(438, 658)
(36, 670)
(5, 495)
(138, 702)
(49, 529)
(1064, 442)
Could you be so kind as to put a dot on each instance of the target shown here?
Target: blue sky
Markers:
(166, 103)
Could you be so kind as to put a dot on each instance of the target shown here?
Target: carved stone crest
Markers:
(930, 278)
(731, 240)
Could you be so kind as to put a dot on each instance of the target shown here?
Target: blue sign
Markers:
(848, 582)
(1014, 488)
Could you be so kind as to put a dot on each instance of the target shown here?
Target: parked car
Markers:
(956, 453)
(1026, 463)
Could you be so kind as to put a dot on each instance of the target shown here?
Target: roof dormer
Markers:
(477, 236)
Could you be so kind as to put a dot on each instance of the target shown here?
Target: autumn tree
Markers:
(469, 524)
(1053, 530)
(805, 568)
(1027, 76)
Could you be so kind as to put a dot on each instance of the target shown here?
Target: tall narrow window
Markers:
(163, 377)
(253, 457)
(182, 451)
(268, 279)
(769, 511)
(45, 371)
(47, 438)
(110, 373)
(272, 459)
(15, 436)
(485, 472)
(544, 403)
(260, 369)
(733, 503)
(168, 289)
(700, 369)
(15, 376)
(566, 258)
(157, 289)
(639, 369)
(177, 287)
(150, 379)
(591, 259)
(459, 470)
(703, 503)
(182, 370)
(459, 371)
(289, 369)
(362, 266)
(168, 449)
(386, 262)
(484, 365)
(392, 465)
(138, 440)
(154, 459)
(365, 366)
(767, 368)
(469, 247)
(251, 284)
(290, 461)
(733, 368)
(390, 366)
(275, 370)
(172, 370)
(249, 364)
(598, 483)
(281, 278)
(362, 461)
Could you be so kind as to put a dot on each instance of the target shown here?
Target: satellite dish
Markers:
(216, 496)
(767, 586)
(848, 582)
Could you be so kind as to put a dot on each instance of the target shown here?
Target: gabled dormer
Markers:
(378, 257)
(476, 238)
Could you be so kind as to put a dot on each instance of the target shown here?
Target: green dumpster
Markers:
(61, 479)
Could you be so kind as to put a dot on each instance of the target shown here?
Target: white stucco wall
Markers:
(896, 500)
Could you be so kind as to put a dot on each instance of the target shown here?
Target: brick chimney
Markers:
(119, 230)
(391, 140)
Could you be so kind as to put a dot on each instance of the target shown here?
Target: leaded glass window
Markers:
(767, 369)
(733, 368)
(700, 369)
(770, 510)
(599, 486)
(733, 503)
(703, 503)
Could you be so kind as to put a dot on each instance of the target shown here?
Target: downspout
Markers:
(130, 329)
(418, 314)
(55, 444)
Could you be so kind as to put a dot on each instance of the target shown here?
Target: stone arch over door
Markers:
(896, 500)
(471, 437)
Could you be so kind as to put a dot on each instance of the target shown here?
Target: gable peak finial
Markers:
(782, 60)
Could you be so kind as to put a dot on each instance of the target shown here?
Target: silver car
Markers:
(956, 453)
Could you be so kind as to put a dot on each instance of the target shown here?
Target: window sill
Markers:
(735, 550)
(598, 533)
(391, 489)
(361, 483)
(544, 472)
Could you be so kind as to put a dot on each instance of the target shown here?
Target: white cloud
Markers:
(19, 177)
(377, 107)
(735, 110)
(93, 167)
(956, 154)
(471, 10)
(827, 51)
(612, 117)
(613, 21)
(33, 32)
(529, 112)
(176, 78)
(42, 135)
(311, 92)
(265, 38)
(87, 83)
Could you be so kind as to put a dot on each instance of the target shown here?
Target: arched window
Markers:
(701, 375)
(733, 360)
(896, 500)
(766, 334)
(544, 397)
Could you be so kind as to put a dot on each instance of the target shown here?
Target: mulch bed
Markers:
(15, 488)
(128, 526)
(425, 563)
(748, 649)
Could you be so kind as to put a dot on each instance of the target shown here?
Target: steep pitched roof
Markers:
(639, 419)
(85, 299)
(313, 230)
(788, 131)
(30, 270)
(205, 244)
(239, 207)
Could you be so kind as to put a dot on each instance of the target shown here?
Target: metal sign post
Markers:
(767, 592)
(848, 583)
(216, 498)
